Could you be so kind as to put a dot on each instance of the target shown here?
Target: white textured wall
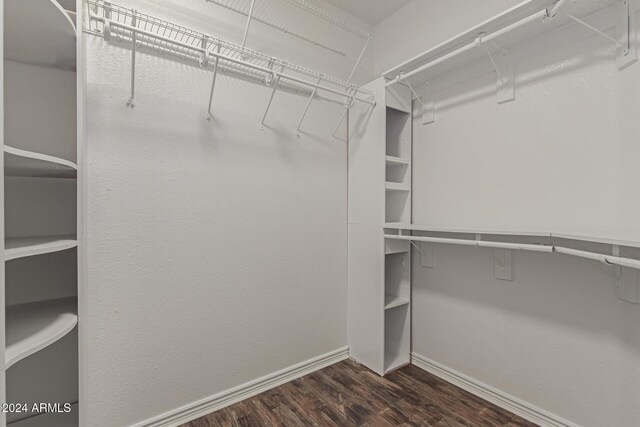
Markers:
(562, 156)
(216, 250)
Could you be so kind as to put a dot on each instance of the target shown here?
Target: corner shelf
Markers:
(31, 246)
(51, 419)
(392, 301)
(39, 32)
(25, 163)
(34, 326)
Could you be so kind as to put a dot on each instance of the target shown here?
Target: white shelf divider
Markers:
(19, 162)
(31, 246)
(34, 326)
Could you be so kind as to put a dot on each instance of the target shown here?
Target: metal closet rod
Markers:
(477, 42)
(206, 53)
(606, 259)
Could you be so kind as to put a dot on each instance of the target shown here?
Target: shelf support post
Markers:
(213, 81)
(627, 34)
(273, 92)
(304, 114)
(348, 104)
(246, 28)
(130, 102)
(428, 104)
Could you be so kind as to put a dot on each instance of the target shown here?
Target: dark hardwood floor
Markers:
(347, 394)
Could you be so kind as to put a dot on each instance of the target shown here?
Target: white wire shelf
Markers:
(474, 239)
(502, 33)
(247, 12)
(321, 13)
(119, 24)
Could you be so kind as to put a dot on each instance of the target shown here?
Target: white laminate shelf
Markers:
(397, 161)
(396, 186)
(39, 32)
(31, 246)
(51, 420)
(395, 361)
(19, 162)
(32, 327)
(393, 301)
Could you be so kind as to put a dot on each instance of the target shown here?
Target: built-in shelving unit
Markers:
(40, 208)
(380, 192)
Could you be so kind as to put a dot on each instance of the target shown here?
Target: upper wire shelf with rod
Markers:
(266, 11)
(141, 31)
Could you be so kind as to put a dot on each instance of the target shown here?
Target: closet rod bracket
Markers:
(626, 281)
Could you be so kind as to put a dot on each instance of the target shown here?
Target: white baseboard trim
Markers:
(495, 396)
(205, 406)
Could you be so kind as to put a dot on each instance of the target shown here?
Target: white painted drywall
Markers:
(562, 156)
(216, 250)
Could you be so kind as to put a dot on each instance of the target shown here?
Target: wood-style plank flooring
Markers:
(348, 394)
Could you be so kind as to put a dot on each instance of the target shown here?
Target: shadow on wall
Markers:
(547, 288)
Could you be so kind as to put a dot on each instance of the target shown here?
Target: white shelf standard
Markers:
(19, 162)
(31, 246)
(34, 326)
(51, 419)
(39, 32)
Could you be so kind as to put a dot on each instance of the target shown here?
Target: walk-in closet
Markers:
(338, 213)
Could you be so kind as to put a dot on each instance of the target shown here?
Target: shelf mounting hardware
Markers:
(275, 80)
(348, 104)
(626, 281)
(306, 109)
(627, 34)
(134, 42)
(503, 264)
(505, 85)
(246, 28)
(213, 80)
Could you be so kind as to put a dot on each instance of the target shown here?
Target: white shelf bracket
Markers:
(426, 255)
(626, 281)
(427, 103)
(627, 34)
(505, 77)
(503, 264)
(134, 42)
(306, 109)
(246, 28)
(213, 81)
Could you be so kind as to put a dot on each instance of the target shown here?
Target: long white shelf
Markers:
(31, 246)
(392, 301)
(608, 237)
(39, 32)
(51, 420)
(523, 22)
(19, 162)
(546, 247)
(34, 326)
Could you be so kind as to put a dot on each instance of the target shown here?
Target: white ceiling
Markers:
(370, 11)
